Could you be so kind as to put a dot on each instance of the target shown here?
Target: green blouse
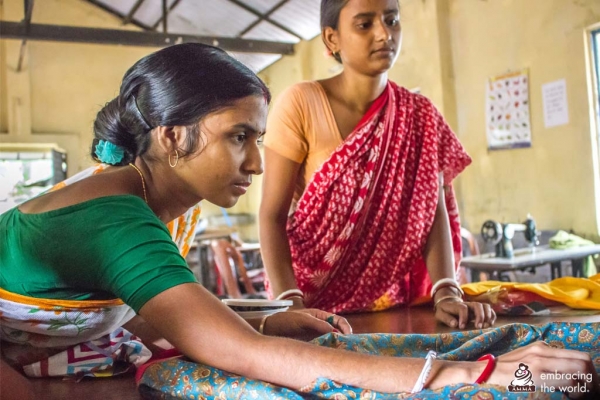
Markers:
(105, 248)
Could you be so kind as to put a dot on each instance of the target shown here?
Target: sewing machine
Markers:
(501, 235)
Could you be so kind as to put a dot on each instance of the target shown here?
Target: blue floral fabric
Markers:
(183, 379)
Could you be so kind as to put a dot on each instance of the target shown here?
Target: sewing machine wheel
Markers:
(531, 233)
(491, 231)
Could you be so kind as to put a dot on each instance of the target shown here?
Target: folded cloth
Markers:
(180, 378)
(113, 354)
(565, 240)
(579, 293)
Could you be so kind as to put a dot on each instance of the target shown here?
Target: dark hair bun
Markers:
(108, 127)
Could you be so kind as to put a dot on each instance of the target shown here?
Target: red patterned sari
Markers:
(358, 233)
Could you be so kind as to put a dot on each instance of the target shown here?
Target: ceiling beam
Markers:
(264, 17)
(62, 33)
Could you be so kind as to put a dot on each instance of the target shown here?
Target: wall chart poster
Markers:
(507, 111)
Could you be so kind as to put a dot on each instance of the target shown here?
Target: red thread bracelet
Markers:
(489, 368)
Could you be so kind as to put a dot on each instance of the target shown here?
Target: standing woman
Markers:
(366, 167)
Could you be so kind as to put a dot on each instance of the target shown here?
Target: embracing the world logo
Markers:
(523, 381)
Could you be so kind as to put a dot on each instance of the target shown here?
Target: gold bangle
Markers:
(289, 293)
(457, 299)
(460, 292)
(261, 327)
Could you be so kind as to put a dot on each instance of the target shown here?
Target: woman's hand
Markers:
(551, 367)
(305, 324)
(456, 313)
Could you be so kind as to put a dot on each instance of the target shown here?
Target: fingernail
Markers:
(480, 325)
(453, 324)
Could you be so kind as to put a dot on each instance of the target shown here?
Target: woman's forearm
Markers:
(439, 252)
(214, 335)
(275, 251)
(278, 190)
(295, 364)
(439, 258)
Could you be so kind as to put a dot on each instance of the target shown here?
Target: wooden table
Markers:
(401, 320)
(421, 320)
(117, 388)
(531, 258)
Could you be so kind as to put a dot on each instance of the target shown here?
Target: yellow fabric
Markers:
(382, 303)
(302, 128)
(581, 293)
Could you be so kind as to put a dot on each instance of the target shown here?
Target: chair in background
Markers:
(254, 264)
(230, 264)
(470, 248)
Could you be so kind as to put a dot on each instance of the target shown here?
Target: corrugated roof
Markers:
(286, 21)
(301, 16)
(122, 6)
(267, 31)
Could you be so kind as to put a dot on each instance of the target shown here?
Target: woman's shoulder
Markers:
(416, 99)
(297, 100)
(413, 94)
(301, 91)
(113, 205)
(306, 86)
(86, 173)
(95, 186)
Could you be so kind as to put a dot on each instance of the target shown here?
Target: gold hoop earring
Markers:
(173, 165)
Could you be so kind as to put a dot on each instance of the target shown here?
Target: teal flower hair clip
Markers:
(109, 153)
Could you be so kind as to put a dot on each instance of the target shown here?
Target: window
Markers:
(596, 62)
(28, 170)
(594, 85)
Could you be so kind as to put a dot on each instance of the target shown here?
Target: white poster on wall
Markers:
(507, 111)
(556, 108)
